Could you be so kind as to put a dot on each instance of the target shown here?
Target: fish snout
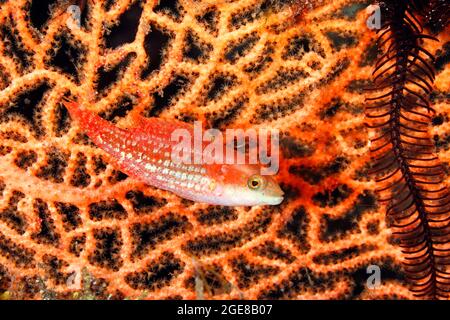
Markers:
(276, 194)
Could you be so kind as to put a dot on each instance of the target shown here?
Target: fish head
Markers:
(247, 187)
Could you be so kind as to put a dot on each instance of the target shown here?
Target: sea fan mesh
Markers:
(71, 225)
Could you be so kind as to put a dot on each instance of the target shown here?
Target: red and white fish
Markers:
(144, 152)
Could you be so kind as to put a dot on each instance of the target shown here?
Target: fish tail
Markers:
(77, 112)
(104, 134)
(86, 119)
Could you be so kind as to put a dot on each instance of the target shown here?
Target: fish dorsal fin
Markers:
(154, 125)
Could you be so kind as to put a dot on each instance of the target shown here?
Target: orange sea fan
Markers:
(68, 218)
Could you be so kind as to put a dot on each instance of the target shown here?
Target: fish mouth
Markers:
(275, 200)
(277, 197)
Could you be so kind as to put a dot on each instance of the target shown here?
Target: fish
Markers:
(144, 152)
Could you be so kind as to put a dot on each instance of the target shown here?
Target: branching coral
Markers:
(261, 63)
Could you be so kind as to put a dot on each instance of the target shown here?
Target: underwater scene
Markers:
(224, 150)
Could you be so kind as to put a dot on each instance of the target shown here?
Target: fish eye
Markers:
(255, 182)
